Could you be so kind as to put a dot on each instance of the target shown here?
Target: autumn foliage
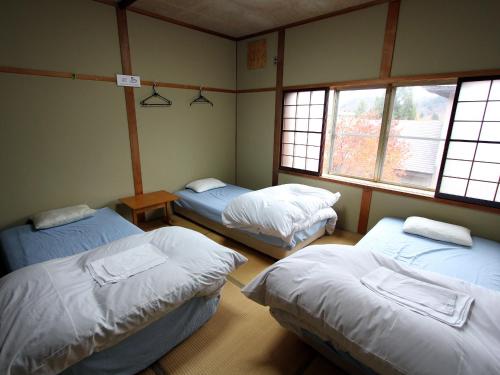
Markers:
(356, 143)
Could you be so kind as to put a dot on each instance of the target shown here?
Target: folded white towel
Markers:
(445, 305)
(121, 266)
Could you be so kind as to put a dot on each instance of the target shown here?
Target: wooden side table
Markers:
(141, 203)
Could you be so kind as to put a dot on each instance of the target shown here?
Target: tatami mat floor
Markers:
(242, 337)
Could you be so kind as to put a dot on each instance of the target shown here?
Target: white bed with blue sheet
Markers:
(31, 256)
(318, 293)
(207, 209)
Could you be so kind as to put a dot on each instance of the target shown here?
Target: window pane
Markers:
(288, 137)
(474, 90)
(495, 90)
(289, 111)
(287, 149)
(316, 111)
(304, 97)
(302, 111)
(300, 150)
(461, 150)
(357, 131)
(490, 132)
(486, 172)
(457, 168)
(289, 124)
(465, 130)
(497, 199)
(314, 139)
(418, 128)
(413, 162)
(290, 98)
(313, 152)
(470, 111)
(453, 186)
(315, 125)
(318, 97)
(302, 133)
(481, 190)
(302, 124)
(301, 138)
(287, 161)
(488, 152)
(312, 165)
(476, 140)
(492, 111)
(355, 156)
(299, 163)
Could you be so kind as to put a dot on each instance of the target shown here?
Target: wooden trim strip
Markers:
(121, 17)
(391, 27)
(396, 192)
(313, 19)
(186, 86)
(278, 106)
(93, 77)
(364, 210)
(263, 89)
(398, 80)
(55, 74)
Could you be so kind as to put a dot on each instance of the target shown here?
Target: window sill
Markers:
(392, 189)
(379, 186)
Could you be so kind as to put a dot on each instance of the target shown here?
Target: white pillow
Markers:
(437, 230)
(205, 184)
(61, 216)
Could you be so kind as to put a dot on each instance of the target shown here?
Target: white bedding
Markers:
(54, 314)
(281, 211)
(320, 288)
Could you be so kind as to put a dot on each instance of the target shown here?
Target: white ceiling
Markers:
(237, 18)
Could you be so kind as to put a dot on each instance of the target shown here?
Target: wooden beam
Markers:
(121, 16)
(124, 4)
(278, 106)
(364, 210)
(391, 26)
(316, 18)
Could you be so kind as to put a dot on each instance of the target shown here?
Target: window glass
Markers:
(302, 129)
(356, 133)
(472, 161)
(417, 133)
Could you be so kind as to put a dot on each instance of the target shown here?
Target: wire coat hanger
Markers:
(201, 99)
(166, 102)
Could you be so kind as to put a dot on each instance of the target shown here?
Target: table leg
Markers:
(166, 218)
(134, 217)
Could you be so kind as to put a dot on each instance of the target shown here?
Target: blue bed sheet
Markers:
(145, 347)
(479, 264)
(23, 245)
(211, 203)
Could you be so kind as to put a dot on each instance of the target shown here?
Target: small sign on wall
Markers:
(132, 81)
(257, 54)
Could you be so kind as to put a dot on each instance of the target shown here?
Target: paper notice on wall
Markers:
(124, 80)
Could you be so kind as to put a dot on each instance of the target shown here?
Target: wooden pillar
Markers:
(278, 106)
(121, 16)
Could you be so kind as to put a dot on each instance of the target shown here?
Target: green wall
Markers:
(255, 137)
(341, 48)
(433, 36)
(183, 142)
(76, 36)
(65, 142)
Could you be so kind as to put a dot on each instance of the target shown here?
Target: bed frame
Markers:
(237, 235)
